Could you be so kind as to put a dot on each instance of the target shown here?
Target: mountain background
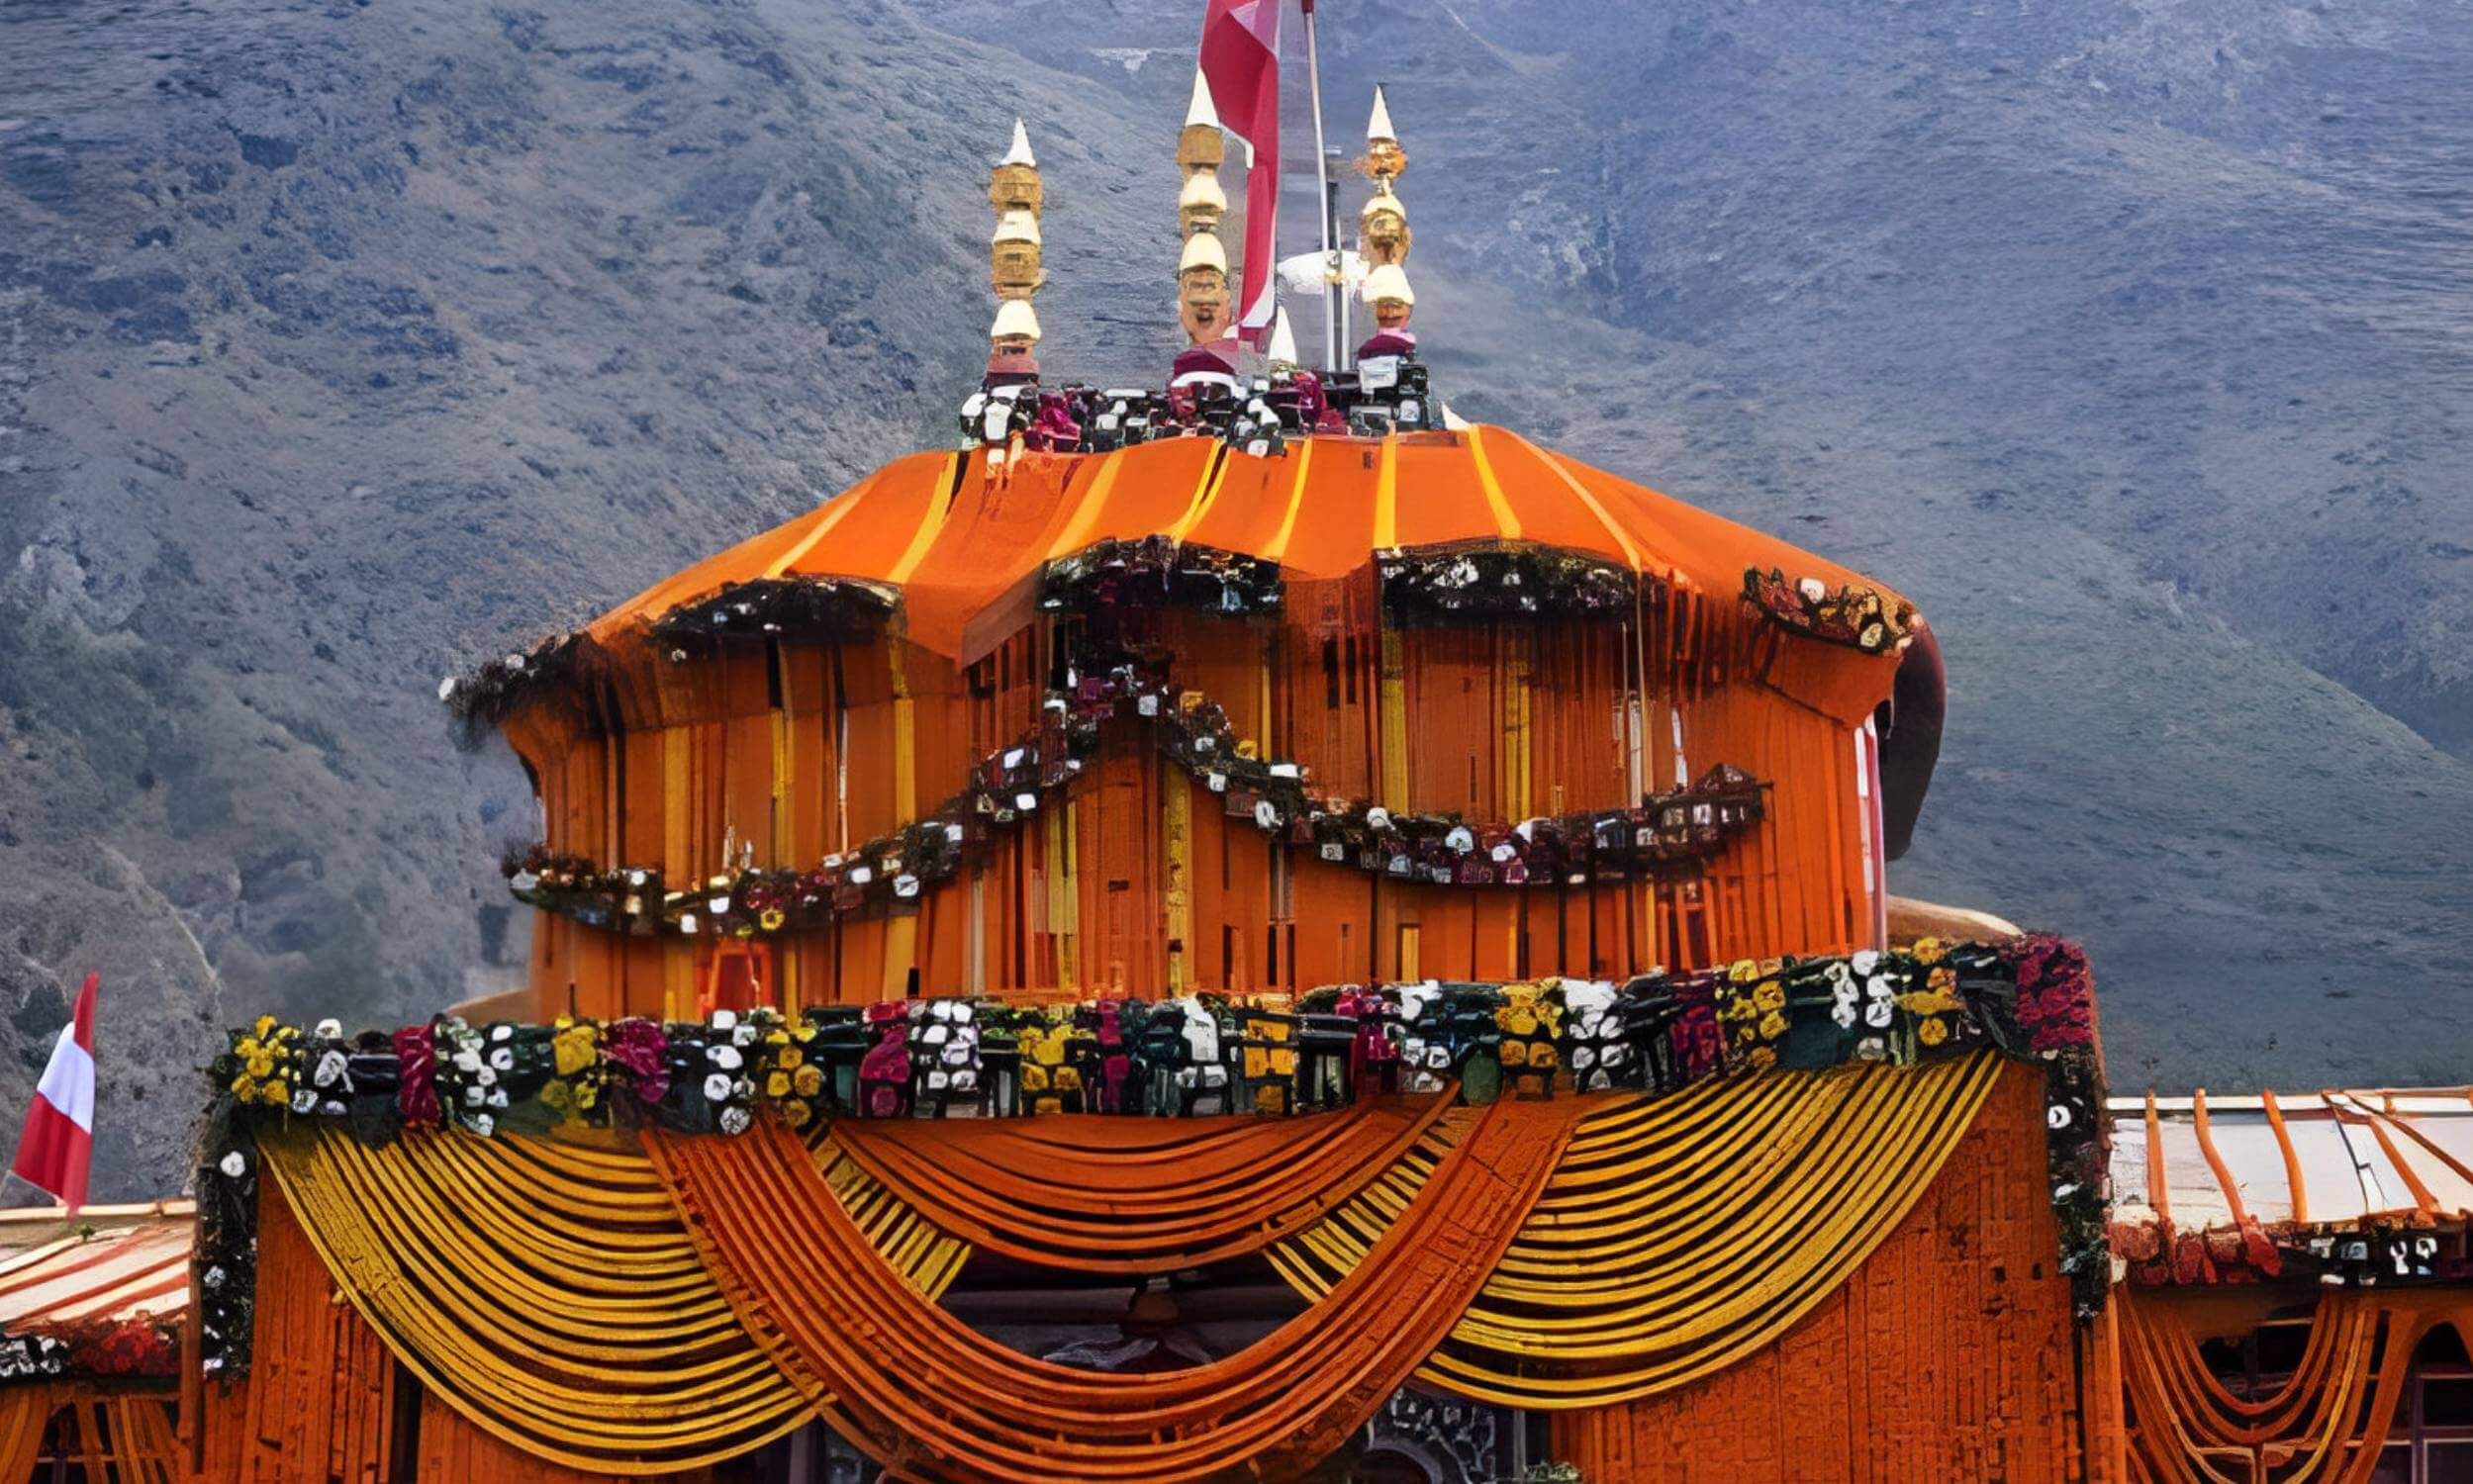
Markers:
(344, 343)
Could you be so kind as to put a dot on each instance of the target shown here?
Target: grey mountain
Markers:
(343, 344)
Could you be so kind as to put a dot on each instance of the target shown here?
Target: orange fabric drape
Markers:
(319, 1404)
(1132, 1195)
(24, 1412)
(930, 1399)
(2326, 1423)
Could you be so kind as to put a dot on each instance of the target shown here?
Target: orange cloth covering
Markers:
(1135, 1195)
(2326, 1423)
(929, 1399)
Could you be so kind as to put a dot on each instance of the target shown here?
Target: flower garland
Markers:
(1667, 835)
(1160, 570)
(1858, 617)
(2030, 998)
(1484, 585)
(834, 608)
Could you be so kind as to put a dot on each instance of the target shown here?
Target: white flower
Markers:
(735, 1120)
(718, 1088)
(487, 1076)
(1377, 818)
(523, 880)
(1877, 1015)
(1812, 589)
(331, 1070)
(234, 1164)
(724, 1020)
(1880, 987)
(1864, 961)
(305, 1100)
(483, 1125)
(446, 688)
(467, 1060)
(724, 1056)
(475, 1095)
(745, 1035)
(502, 1059)
(1843, 1014)
(498, 1097)
(330, 1030)
(215, 1276)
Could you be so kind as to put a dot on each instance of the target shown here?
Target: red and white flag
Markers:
(58, 1142)
(1241, 65)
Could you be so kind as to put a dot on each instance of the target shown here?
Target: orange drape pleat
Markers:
(930, 1399)
(23, 1411)
(1133, 1195)
(2328, 1422)
(452, 1447)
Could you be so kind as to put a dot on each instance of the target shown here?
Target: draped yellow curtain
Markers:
(546, 1291)
(1135, 1195)
(2326, 1423)
(930, 1399)
(1679, 1234)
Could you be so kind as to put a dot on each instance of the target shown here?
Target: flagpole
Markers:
(1323, 203)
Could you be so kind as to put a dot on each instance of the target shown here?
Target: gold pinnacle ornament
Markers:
(1383, 236)
(1013, 264)
(1202, 263)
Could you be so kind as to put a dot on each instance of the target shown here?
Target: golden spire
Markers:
(1013, 264)
(1202, 263)
(1382, 235)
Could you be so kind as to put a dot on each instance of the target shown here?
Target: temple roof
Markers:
(117, 1273)
(964, 542)
(2334, 1159)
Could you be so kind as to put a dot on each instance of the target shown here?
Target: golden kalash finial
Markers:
(1203, 264)
(1383, 239)
(1013, 266)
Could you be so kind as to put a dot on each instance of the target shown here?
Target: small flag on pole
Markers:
(59, 1143)
(1241, 66)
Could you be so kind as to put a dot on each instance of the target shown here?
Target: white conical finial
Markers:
(1019, 154)
(1201, 112)
(1283, 350)
(1380, 126)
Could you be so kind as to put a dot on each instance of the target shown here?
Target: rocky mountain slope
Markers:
(341, 344)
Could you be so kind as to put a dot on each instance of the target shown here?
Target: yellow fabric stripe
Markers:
(1614, 529)
(1205, 495)
(1387, 496)
(1679, 1234)
(1506, 520)
(1278, 546)
(832, 517)
(1393, 693)
(1086, 512)
(940, 501)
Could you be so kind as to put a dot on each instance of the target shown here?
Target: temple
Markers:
(1247, 930)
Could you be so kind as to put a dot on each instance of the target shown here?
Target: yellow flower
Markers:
(575, 1049)
(563, 1022)
(274, 1094)
(247, 1047)
(772, 919)
(1933, 1032)
(1770, 997)
(1743, 970)
(1930, 949)
(1515, 1054)
(1773, 1025)
(266, 1026)
(1942, 981)
(1761, 1057)
(790, 1058)
(244, 1088)
(807, 1081)
(558, 1095)
(261, 1065)
(797, 1113)
(587, 1094)
(777, 1084)
(1035, 1078)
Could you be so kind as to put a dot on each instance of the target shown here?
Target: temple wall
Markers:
(1141, 882)
(1947, 1356)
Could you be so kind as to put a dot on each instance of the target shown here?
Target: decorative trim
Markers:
(1489, 584)
(1854, 617)
(1160, 572)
